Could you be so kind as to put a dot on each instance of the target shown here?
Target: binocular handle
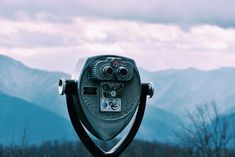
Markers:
(69, 87)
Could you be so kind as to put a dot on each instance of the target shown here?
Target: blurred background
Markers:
(186, 48)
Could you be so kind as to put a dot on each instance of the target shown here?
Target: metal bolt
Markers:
(150, 90)
(62, 86)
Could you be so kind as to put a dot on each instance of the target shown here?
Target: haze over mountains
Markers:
(33, 85)
(29, 97)
(18, 116)
(180, 90)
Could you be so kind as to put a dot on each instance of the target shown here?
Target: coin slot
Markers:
(90, 90)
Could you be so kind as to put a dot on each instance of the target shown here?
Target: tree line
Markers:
(205, 134)
(137, 148)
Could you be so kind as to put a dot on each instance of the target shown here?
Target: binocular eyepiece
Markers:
(112, 69)
(108, 70)
(122, 72)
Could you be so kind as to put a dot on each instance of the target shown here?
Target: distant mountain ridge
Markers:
(39, 124)
(180, 90)
(158, 125)
(38, 89)
(175, 91)
(33, 85)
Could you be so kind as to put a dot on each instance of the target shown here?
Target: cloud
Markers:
(57, 46)
(183, 12)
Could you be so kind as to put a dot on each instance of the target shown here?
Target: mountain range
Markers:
(29, 99)
(180, 90)
(36, 86)
(19, 118)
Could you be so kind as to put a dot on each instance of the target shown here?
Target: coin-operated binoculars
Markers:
(103, 97)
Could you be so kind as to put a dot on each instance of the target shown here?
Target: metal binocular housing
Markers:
(104, 95)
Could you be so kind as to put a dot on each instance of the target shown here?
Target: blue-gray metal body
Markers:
(109, 89)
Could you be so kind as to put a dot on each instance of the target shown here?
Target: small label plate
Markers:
(110, 104)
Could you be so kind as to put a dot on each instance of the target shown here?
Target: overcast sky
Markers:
(158, 34)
